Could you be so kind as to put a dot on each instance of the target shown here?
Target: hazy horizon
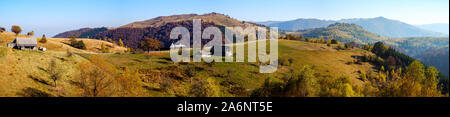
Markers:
(51, 17)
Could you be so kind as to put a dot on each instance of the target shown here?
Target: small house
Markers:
(24, 43)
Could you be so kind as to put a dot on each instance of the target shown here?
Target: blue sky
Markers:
(54, 16)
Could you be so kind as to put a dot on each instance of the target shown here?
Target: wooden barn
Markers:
(24, 43)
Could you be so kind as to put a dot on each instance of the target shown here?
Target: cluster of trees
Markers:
(132, 37)
(291, 37)
(77, 44)
(97, 78)
(389, 56)
(416, 81)
(16, 29)
(204, 88)
(321, 40)
(2, 29)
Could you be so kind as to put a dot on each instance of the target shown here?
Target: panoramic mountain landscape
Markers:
(437, 27)
(367, 68)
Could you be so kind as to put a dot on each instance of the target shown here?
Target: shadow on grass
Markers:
(32, 92)
(151, 89)
(39, 80)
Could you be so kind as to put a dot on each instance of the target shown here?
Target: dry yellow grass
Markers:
(21, 70)
(61, 44)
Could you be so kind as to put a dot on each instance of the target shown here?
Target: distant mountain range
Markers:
(378, 25)
(298, 24)
(437, 27)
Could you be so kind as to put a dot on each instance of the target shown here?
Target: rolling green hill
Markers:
(342, 32)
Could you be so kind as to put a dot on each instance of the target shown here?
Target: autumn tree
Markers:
(121, 43)
(77, 44)
(96, 77)
(43, 39)
(417, 81)
(16, 29)
(127, 83)
(150, 44)
(204, 88)
(30, 33)
(2, 29)
(55, 72)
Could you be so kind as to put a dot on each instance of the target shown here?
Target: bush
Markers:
(283, 61)
(334, 41)
(270, 88)
(2, 29)
(43, 39)
(77, 44)
(338, 87)
(204, 88)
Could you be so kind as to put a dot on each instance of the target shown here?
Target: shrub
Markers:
(204, 88)
(55, 72)
(43, 39)
(337, 87)
(77, 44)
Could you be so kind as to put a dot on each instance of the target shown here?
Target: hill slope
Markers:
(61, 44)
(342, 32)
(438, 27)
(425, 49)
(26, 74)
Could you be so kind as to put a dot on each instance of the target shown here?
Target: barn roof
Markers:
(21, 41)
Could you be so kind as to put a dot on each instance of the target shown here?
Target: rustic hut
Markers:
(24, 43)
